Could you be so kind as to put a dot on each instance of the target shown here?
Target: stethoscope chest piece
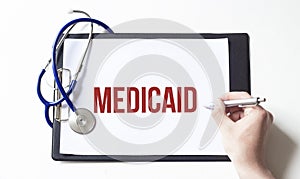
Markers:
(82, 121)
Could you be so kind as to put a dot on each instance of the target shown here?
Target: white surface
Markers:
(102, 76)
(275, 52)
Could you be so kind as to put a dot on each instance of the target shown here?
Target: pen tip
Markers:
(209, 107)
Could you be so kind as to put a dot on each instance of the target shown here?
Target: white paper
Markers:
(111, 63)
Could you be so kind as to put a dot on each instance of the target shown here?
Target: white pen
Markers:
(239, 102)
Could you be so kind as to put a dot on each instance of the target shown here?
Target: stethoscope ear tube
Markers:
(58, 42)
(54, 67)
(44, 101)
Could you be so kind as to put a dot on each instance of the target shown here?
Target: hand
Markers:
(244, 132)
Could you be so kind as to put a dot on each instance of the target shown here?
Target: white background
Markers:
(28, 29)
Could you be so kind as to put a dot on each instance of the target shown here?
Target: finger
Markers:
(239, 113)
(235, 116)
(269, 114)
(218, 111)
(235, 95)
(270, 117)
(233, 109)
(261, 113)
(220, 116)
(248, 110)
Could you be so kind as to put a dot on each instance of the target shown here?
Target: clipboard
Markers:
(239, 73)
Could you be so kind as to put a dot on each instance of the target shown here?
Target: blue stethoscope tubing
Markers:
(65, 95)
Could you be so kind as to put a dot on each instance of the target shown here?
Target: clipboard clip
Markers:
(63, 74)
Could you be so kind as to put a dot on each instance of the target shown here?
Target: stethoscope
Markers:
(82, 120)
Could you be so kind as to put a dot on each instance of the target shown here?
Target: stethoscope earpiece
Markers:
(82, 121)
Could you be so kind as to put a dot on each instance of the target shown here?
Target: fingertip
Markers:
(219, 103)
(220, 117)
(219, 109)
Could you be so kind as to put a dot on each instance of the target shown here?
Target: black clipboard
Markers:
(239, 73)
